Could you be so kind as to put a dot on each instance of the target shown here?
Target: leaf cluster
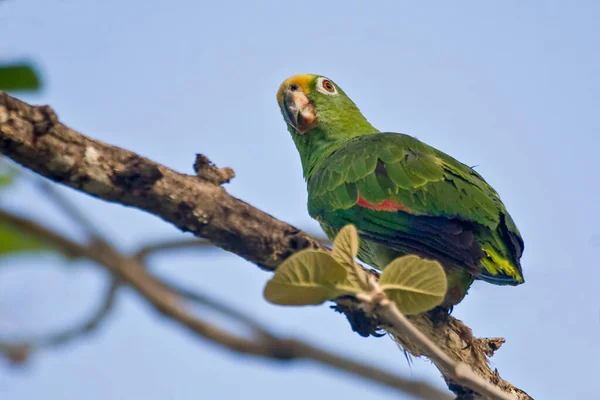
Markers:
(311, 277)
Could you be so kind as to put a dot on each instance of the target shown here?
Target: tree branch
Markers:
(33, 137)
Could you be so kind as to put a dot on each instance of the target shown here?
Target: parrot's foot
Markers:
(439, 315)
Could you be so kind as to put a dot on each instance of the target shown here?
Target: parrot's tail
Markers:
(499, 279)
(498, 270)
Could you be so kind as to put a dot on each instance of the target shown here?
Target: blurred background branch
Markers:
(181, 244)
(169, 299)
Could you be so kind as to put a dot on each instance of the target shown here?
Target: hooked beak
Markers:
(298, 110)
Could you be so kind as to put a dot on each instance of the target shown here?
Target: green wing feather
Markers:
(450, 212)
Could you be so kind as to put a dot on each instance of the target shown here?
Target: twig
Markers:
(180, 244)
(33, 137)
(460, 372)
(167, 302)
(415, 388)
(67, 246)
(213, 304)
(88, 326)
(68, 208)
(23, 347)
(174, 244)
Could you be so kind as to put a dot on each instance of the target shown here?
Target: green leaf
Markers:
(8, 173)
(345, 249)
(306, 278)
(19, 77)
(13, 240)
(5, 180)
(345, 245)
(416, 285)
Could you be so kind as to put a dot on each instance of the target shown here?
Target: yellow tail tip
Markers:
(498, 268)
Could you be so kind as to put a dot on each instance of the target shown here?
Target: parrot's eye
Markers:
(325, 86)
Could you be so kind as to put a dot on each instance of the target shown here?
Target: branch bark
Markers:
(33, 137)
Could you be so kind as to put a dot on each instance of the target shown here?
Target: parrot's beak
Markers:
(298, 110)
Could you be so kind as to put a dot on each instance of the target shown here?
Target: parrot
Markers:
(402, 195)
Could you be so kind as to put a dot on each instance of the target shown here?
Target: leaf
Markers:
(416, 285)
(13, 240)
(5, 180)
(306, 278)
(7, 174)
(345, 245)
(345, 249)
(19, 77)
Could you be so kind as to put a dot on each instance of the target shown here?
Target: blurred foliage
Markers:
(18, 77)
(12, 239)
(6, 179)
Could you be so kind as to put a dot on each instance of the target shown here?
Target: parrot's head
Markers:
(315, 103)
(320, 117)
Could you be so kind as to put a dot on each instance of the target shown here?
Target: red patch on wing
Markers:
(386, 205)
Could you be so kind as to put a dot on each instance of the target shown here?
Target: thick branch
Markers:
(33, 137)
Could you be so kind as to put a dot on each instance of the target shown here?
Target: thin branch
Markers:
(88, 326)
(167, 245)
(68, 208)
(67, 246)
(181, 244)
(416, 388)
(97, 317)
(218, 306)
(33, 137)
(460, 372)
(21, 348)
(168, 302)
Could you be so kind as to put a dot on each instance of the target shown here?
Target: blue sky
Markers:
(512, 87)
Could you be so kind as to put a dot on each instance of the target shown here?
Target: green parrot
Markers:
(403, 196)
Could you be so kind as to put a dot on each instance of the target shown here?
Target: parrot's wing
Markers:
(399, 191)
